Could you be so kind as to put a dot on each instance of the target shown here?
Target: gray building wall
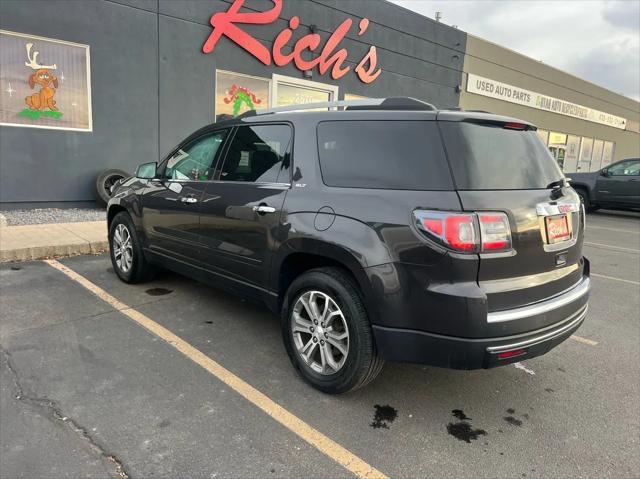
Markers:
(152, 86)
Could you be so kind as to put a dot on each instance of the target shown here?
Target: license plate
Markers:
(557, 229)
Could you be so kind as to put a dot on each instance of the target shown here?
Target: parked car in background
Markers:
(616, 186)
(387, 231)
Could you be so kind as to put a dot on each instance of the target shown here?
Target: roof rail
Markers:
(396, 103)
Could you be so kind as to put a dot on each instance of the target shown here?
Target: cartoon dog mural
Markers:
(44, 98)
(43, 77)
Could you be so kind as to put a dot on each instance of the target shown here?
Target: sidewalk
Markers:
(19, 243)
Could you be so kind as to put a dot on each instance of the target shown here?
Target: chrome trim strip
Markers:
(545, 337)
(556, 208)
(542, 307)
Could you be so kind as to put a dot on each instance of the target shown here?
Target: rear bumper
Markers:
(406, 345)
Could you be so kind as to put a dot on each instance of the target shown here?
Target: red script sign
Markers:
(226, 23)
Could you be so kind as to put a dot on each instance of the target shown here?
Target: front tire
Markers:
(584, 199)
(126, 252)
(327, 333)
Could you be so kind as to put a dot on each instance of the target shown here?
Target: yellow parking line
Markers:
(598, 275)
(327, 446)
(580, 339)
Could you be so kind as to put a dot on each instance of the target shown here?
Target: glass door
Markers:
(294, 91)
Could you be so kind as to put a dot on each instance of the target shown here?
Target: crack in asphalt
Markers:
(57, 414)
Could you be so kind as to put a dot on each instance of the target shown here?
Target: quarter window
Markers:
(258, 154)
(196, 160)
(401, 155)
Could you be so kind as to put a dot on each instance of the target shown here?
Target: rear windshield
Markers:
(489, 157)
(402, 155)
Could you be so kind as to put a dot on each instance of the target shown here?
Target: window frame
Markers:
(190, 140)
(220, 163)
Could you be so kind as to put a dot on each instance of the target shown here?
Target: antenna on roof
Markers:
(438, 16)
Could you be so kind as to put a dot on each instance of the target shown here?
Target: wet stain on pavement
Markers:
(459, 414)
(462, 430)
(384, 416)
(164, 423)
(513, 421)
(110, 270)
(158, 291)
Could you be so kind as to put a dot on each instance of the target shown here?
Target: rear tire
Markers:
(340, 311)
(126, 252)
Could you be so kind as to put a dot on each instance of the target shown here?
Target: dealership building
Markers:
(91, 85)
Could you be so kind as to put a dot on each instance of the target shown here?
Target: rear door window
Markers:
(490, 157)
(403, 155)
(258, 154)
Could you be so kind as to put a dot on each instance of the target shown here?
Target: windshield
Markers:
(490, 157)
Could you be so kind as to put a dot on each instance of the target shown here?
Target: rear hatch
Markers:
(500, 165)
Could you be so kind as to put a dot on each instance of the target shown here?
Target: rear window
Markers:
(402, 155)
(489, 157)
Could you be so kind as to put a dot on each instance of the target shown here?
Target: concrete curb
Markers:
(31, 242)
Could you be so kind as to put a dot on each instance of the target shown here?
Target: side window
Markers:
(626, 168)
(258, 154)
(196, 160)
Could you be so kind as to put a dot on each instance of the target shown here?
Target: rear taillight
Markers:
(466, 232)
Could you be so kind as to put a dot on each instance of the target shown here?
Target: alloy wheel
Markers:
(320, 332)
(122, 248)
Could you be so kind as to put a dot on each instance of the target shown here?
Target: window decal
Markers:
(44, 83)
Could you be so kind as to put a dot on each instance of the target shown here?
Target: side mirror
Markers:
(147, 171)
(604, 172)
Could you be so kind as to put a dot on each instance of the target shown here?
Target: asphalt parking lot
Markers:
(87, 391)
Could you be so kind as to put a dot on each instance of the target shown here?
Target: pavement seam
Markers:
(56, 413)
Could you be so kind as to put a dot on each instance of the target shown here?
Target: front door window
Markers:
(196, 160)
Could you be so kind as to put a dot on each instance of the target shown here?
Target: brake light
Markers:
(466, 232)
(515, 126)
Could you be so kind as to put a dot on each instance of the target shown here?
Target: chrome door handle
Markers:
(188, 199)
(264, 209)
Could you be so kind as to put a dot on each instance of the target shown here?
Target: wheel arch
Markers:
(298, 256)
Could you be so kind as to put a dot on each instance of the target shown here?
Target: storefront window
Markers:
(607, 153)
(586, 151)
(351, 96)
(544, 136)
(295, 95)
(294, 91)
(237, 93)
(596, 157)
(556, 138)
(558, 147)
(571, 154)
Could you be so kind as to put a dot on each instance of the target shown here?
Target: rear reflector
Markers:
(466, 232)
(511, 354)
